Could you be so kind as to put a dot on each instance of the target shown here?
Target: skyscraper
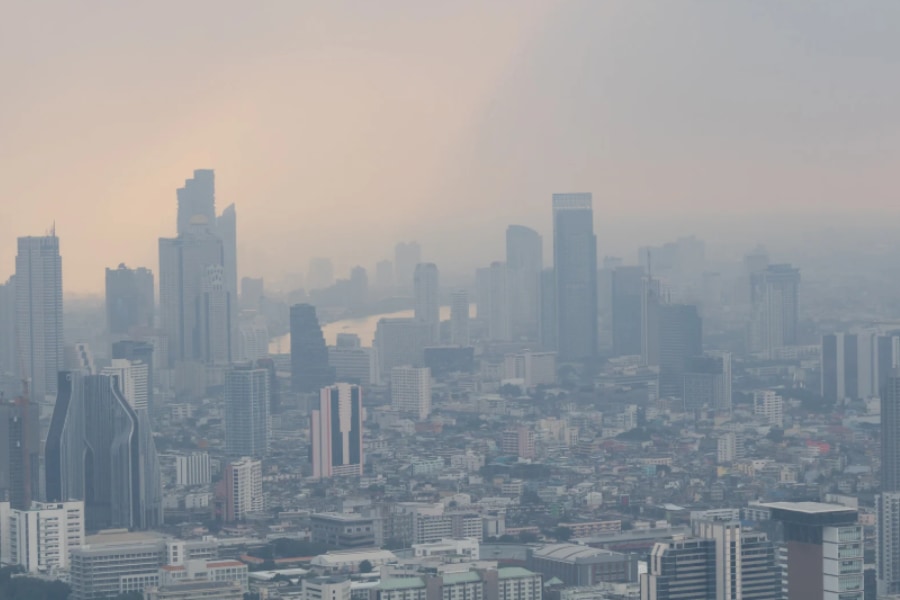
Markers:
(681, 568)
(8, 354)
(524, 263)
(627, 287)
(247, 400)
(411, 391)
(426, 286)
(99, 449)
(887, 546)
(459, 318)
(39, 313)
(129, 299)
(680, 339)
(890, 435)
(20, 449)
(194, 301)
(400, 342)
(336, 433)
(499, 304)
(650, 303)
(406, 256)
(133, 380)
(549, 323)
(309, 354)
(775, 308)
(745, 561)
(226, 228)
(857, 365)
(575, 265)
(197, 201)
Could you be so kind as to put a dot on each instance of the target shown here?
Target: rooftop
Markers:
(513, 572)
(812, 508)
(569, 552)
(401, 583)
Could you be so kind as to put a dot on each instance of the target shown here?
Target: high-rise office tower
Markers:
(549, 322)
(100, 450)
(755, 261)
(39, 313)
(680, 339)
(887, 543)
(400, 342)
(890, 434)
(226, 228)
(483, 293)
(524, 263)
(253, 338)
(707, 383)
(336, 433)
(137, 352)
(352, 363)
(20, 449)
(745, 561)
(426, 286)
(247, 400)
(857, 365)
(775, 308)
(650, 302)
(498, 305)
(575, 265)
(197, 201)
(627, 287)
(406, 256)
(194, 301)
(824, 550)
(320, 273)
(8, 353)
(129, 299)
(243, 489)
(411, 391)
(459, 318)
(309, 354)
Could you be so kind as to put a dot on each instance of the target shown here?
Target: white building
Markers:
(411, 391)
(769, 405)
(352, 363)
(333, 562)
(243, 489)
(534, 368)
(134, 380)
(727, 450)
(193, 469)
(203, 570)
(467, 547)
(326, 588)
(40, 539)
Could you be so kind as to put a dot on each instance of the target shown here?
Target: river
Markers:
(364, 327)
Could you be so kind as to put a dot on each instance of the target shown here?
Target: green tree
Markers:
(563, 534)
(366, 567)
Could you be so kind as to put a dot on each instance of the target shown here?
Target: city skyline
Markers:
(640, 142)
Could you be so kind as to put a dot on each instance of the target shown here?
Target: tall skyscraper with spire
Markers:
(575, 268)
(39, 313)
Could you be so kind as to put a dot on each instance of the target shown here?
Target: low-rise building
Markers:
(343, 530)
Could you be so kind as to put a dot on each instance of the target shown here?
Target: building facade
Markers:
(336, 432)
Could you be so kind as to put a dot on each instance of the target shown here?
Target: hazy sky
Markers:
(340, 127)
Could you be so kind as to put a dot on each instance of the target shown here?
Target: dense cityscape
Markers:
(583, 429)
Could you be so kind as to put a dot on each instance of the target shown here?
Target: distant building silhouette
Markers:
(459, 318)
(197, 199)
(336, 433)
(400, 342)
(411, 391)
(100, 449)
(549, 323)
(426, 286)
(680, 339)
(320, 273)
(129, 299)
(575, 265)
(309, 354)
(775, 306)
(406, 256)
(627, 287)
(524, 263)
(499, 302)
(247, 401)
(39, 313)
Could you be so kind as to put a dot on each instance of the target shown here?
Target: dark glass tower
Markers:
(627, 287)
(20, 447)
(680, 339)
(575, 265)
(310, 371)
(890, 434)
(100, 450)
(524, 263)
(129, 299)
